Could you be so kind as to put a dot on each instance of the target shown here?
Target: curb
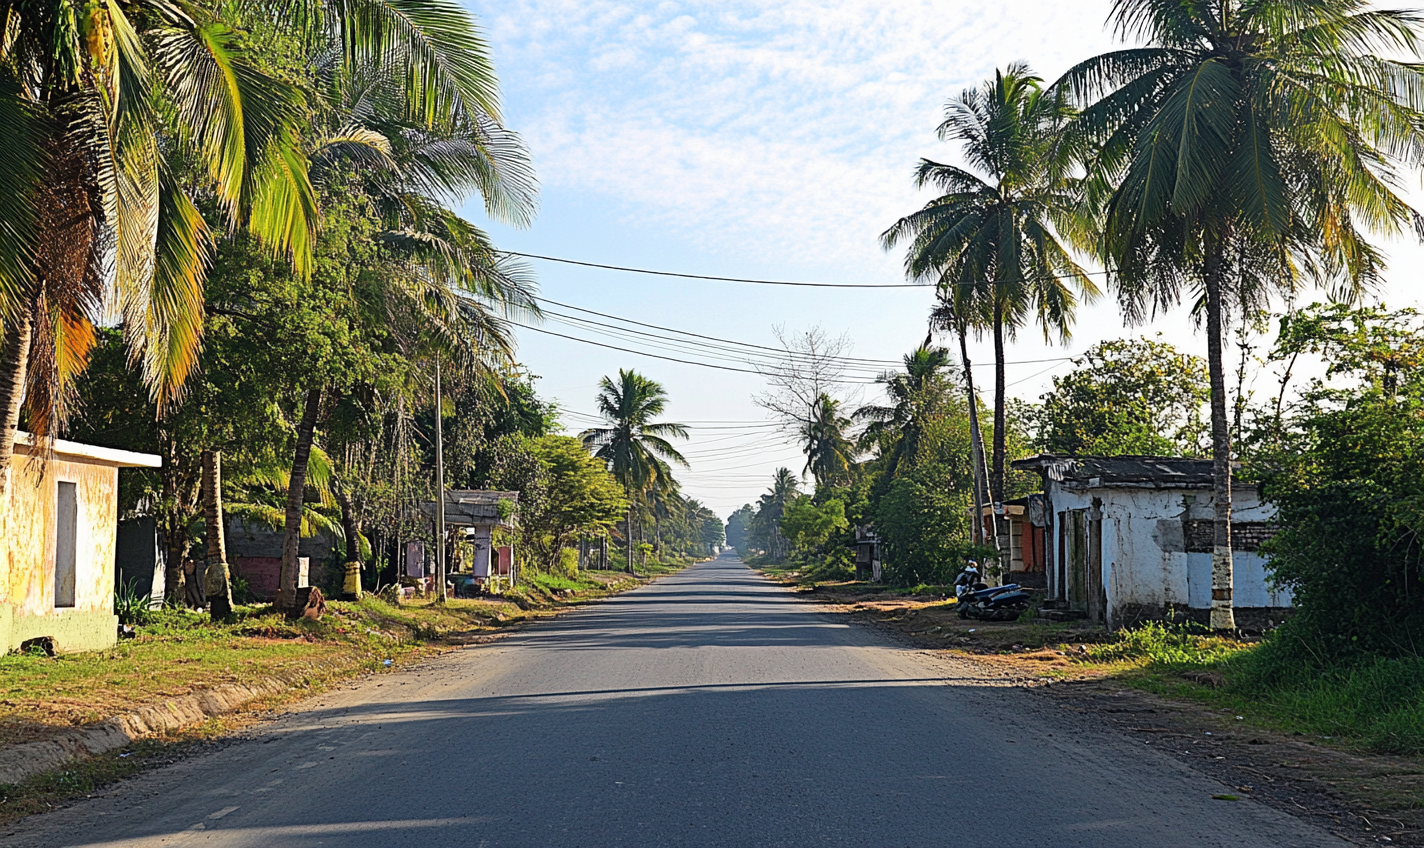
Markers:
(31, 759)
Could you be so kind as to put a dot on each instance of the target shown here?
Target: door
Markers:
(66, 543)
(1077, 535)
(1097, 601)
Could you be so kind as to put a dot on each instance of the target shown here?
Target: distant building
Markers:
(1129, 538)
(474, 514)
(57, 543)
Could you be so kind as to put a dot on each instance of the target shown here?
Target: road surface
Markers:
(707, 709)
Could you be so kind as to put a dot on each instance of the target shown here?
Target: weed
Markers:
(132, 607)
(1171, 645)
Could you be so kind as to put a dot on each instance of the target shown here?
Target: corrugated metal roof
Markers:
(1132, 471)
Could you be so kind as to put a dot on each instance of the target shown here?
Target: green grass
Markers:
(1370, 704)
(1166, 646)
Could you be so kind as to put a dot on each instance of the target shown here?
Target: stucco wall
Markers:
(27, 554)
(1146, 563)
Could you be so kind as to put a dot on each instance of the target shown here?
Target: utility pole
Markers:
(440, 487)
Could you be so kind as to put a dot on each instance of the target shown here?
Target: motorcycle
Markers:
(1000, 603)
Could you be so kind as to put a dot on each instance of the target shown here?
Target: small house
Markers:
(58, 531)
(1129, 538)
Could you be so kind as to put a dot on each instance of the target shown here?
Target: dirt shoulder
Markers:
(1364, 798)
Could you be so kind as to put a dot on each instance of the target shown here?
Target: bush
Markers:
(241, 590)
(1345, 477)
(925, 527)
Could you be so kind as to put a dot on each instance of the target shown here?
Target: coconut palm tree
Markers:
(1243, 150)
(96, 217)
(635, 446)
(916, 395)
(771, 506)
(988, 241)
(99, 103)
(829, 453)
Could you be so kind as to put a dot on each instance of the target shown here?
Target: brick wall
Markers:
(1246, 536)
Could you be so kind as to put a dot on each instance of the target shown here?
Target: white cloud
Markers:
(793, 126)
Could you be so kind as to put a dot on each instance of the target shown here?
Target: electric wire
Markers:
(715, 278)
(775, 350)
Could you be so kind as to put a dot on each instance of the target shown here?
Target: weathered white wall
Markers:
(1145, 561)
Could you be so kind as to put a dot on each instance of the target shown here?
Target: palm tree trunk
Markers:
(175, 531)
(216, 583)
(1222, 616)
(296, 490)
(351, 583)
(628, 537)
(997, 479)
(14, 360)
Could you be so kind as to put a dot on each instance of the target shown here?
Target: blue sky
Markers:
(758, 140)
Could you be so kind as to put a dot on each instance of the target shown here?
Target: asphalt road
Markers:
(707, 709)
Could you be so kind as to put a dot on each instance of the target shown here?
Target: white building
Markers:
(1131, 539)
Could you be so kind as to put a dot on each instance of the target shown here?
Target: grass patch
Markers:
(1374, 704)
(1166, 646)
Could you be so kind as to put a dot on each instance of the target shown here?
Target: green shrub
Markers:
(131, 606)
(1378, 700)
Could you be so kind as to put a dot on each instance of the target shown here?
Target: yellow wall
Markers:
(27, 540)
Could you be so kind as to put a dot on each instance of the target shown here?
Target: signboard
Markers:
(414, 559)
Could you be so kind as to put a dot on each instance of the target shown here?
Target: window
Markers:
(66, 533)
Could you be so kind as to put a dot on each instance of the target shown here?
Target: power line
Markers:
(714, 278)
(672, 358)
(724, 352)
(851, 363)
(778, 351)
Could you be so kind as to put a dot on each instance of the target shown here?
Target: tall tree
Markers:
(829, 452)
(915, 396)
(988, 241)
(99, 103)
(771, 507)
(1129, 396)
(1240, 151)
(635, 446)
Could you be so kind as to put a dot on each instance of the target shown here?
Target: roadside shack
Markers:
(1129, 538)
(471, 517)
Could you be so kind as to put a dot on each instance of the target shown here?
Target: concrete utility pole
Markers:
(440, 487)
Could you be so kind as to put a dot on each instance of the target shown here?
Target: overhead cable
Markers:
(752, 281)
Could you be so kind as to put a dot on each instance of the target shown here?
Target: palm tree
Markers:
(988, 241)
(1238, 153)
(772, 506)
(100, 104)
(829, 454)
(947, 316)
(95, 215)
(634, 445)
(413, 147)
(916, 396)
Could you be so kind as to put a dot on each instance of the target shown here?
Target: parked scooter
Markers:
(977, 600)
